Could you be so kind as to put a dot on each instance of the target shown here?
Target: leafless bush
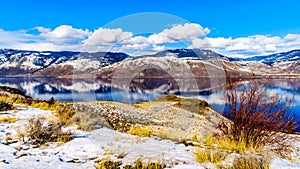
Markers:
(257, 115)
(41, 132)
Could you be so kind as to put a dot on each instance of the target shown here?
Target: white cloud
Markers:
(105, 36)
(45, 46)
(248, 46)
(64, 34)
(184, 32)
(42, 29)
(135, 47)
(158, 48)
(11, 38)
(66, 37)
(136, 40)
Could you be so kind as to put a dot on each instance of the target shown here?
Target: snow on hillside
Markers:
(14, 62)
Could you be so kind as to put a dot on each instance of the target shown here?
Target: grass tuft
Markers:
(209, 155)
(140, 130)
(229, 144)
(250, 162)
(8, 119)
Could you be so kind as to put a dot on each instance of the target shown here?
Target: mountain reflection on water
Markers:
(139, 90)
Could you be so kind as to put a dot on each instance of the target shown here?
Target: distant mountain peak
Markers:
(202, 54)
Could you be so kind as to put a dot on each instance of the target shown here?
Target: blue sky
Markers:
(231, 20)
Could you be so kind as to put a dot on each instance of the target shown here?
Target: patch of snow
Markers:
(188, 166)
(83, 64)
(31, 112)
(9, 64)
(279, 163)
(28, 64)
(46, 53)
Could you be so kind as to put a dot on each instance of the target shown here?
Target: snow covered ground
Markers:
(89, 147)
(86, 148)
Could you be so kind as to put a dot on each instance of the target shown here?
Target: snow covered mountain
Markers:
(290, 56)
(19, 62)
(192, 54)
(285, 63)
(66, 64)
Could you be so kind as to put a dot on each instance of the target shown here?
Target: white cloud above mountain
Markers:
(177, 33)
(251, 45)
(64, 34)
(12, 37)
(105, 36)
(66, 37)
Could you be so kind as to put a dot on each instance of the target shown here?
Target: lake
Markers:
(85, 90)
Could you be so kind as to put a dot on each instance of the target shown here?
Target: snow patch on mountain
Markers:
(83, 64)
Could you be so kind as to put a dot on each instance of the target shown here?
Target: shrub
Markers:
(41, 132)
(139, 164)
(65, 113)
(107, 164)
(250, 162)
(51, 101)
(4, 106)
(257, 115)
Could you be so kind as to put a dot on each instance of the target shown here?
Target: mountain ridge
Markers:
(64, 63)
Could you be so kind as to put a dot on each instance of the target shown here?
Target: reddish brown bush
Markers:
(258, 115)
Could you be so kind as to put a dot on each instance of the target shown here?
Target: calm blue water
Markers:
(83, 90)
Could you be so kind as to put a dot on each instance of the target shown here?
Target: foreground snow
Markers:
(82, 152)
(89, 147)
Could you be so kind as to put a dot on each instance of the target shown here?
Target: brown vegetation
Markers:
(41, 132)
(258, 115)
(4, 106)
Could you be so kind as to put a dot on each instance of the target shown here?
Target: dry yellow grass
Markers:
(45, 105)
(251, 162)
(209, 155)
(143, 104)
(8, 119)
(170, 134)
(140, 130)
(229, 144)
(217, 148)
